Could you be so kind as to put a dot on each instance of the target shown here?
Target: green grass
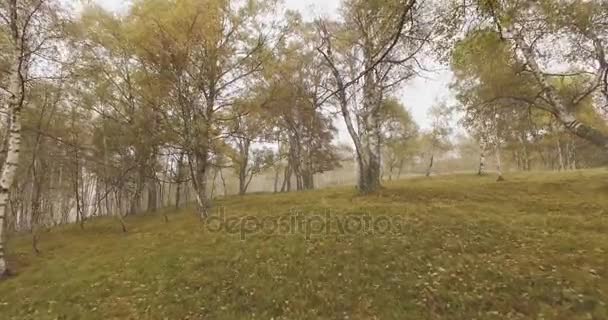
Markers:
(533, 247)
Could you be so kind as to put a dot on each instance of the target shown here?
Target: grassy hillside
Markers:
(458, 247)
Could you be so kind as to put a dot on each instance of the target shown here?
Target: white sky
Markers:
(418, 95)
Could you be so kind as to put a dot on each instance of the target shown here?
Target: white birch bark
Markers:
(564, 114)
(482, 159)
(498, 161)
(497, 146)
(572, 155)
(9, 168)
(560, 155)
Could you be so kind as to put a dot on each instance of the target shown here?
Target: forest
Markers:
(159, 119)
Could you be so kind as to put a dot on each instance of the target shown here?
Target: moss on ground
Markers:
(457, 247)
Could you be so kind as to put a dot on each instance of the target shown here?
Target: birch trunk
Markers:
(152, 196)
(526, 159)
(9, 167)
(225, 189)
(213, 182)
(198, 171)
(572, 156)
(564, 114)
(36, 191)
(373, 161)
(482, 161)
(498, 161)
(243, 166)
(560, 155)
(139, 188)
(178, 179)
(286, 187)
(277, 172)
(369, 179)
(348, 120)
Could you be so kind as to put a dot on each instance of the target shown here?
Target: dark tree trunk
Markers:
(225, 189)
(429, 170)
(152, 196)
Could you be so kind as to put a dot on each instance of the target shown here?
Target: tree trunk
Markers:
(369, 176)
(348, 120)
(482, 163)
(242, 183)
(429, 170)
(369, 167)
(139, 188)
(178, 179)
(198, 171)
(286, 187)
(562, 112)
(526, 157)
(308, 177)
(178, 195)
(9, 167)
(35, 203)
(215, 172)
(400, 169)
(79, 215)
(35, 194)
(572, 155)
(498, 162)
(370, 136)
(560, 155)
(152, 196)
(243, 166)
(277, 172)
(225, 189)
(106, 179)
(296, 161)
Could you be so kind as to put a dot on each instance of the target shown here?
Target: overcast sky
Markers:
(418, 95)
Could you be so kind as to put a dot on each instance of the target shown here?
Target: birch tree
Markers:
(542, 34)
(399, 133)
(291, 94)
(195, 58)
(377, 45)
(437, 139)
(26, 29)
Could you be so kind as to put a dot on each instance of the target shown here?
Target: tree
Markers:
(193, 56)
(399, 133)
(27, 29)
(297, 117)
(492, 74)
(248, 128)
(437, 139)
(528, 34)
(365, 47)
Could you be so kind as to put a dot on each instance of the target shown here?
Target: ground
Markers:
(455, 247)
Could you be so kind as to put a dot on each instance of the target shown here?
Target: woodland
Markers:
(191, 105)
